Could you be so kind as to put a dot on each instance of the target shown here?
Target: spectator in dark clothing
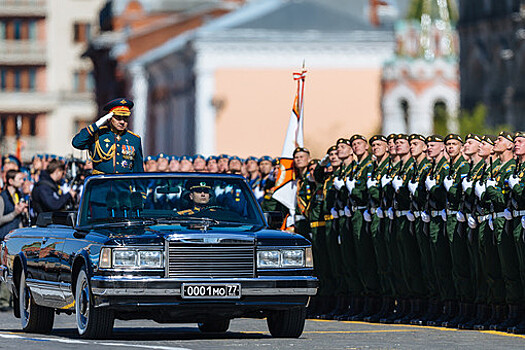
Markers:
(46, 193)
(11, 211)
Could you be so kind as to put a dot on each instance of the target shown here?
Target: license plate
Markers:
(211, 291)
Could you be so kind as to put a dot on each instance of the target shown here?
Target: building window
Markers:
(18, 80)
(82, 32)
(32, 79)
(32, 30)
(82, 81)
(17, 29)
(8, 125)
(3, 79)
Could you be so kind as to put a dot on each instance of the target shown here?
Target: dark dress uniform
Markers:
(110, 151)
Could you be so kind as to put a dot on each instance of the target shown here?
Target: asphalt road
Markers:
(253, 334)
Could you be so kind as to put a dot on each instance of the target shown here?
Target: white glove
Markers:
(258, 192)
(491, 183)
(367, 216)
(385, 180)
(448, 182)
(103, 119)
(523, 221)
(513, 181)
(472, 223)
(466, 184)
(507, 214)
(290, 221)
(157, 194)
(219, 191)
(412, 187)
(443, 214)
(380, 213)
(491, 224)
(390, 213)
(460, 217)
(338, 183)
(425, 217)
(479, 189)
(350, 185)
(325, 160)
(65, 187)
(348, 212)
(411, 217)
(334, 213)
(371, 183)
(397, 182)
(228, 189)
(430, 182)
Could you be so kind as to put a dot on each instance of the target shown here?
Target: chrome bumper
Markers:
(262, 286)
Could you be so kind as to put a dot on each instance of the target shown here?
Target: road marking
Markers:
(370, 331)
(141, 346)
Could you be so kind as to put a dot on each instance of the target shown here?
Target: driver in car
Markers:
(200, 193)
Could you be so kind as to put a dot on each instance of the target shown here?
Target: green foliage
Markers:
(415, 10)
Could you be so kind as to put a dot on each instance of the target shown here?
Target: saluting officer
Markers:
(113, 148)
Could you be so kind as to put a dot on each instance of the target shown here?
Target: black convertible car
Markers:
(166, 247)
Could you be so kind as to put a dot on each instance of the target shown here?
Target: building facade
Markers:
(44, 82)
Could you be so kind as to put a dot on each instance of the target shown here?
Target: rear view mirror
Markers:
(274, 219)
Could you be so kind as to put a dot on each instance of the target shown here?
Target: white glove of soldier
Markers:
(65, 187)
(348, 212)
(397, 182)
(390, 213)
(412, 187)
(430, 182)
(411, 217)
(219, 191)
(350, 185)
(334, 213)
(258, 192)
(380, 213)
(513, 181)
(491, 183)
(448, 182)
(325, 160)
(472, 222)
(523, 221)
(228, 189)
(443, 214)
(466, 184)
(425, 217)
(290, 221)
(491, 224)
(158, 194)
(338, 183)
(460, 217)
(371, 183)
(507, 214)
(479, 189)
(385, 180)
(103, 119)
(367, 216)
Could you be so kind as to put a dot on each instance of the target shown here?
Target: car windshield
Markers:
(211, 200)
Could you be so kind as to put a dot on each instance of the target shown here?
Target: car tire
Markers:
(92, 323)
(287, 323)
(217, 326)
(34, 318)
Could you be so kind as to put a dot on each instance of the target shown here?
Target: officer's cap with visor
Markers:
(377, 138)
(300, 149)
(453, 137)
(434, 138)
(199, 186)
(417, 137)
(119, 106)
(474, 137)
(507, 135)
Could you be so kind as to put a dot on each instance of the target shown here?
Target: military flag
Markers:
(285, 187)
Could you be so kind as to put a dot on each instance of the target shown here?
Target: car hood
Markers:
(158, 234)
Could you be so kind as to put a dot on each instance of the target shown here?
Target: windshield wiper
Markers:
(189, 220)
(124, 222)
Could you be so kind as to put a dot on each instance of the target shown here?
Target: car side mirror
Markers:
(274, 219)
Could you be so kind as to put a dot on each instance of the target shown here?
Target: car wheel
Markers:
(217, 326)
(35, 318)
(92, 323)
(287, 323)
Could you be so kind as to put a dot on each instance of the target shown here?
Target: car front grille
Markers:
(210, 260)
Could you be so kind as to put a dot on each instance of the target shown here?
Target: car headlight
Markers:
(268, 258)
(130, 258)
(150, 258)
(124, 258)
(286, 258)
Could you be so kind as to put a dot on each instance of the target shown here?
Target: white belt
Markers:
(435, 213)
(517, 213)
(355, 208)
(451, 212)
(400, 213)
(498, 215)
(299, 217)
(482, 218)
(416, 213)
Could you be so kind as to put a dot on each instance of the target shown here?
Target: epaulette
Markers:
(446, 166)
(184, 212)
(103, 127)
(132, 133)
(426, 165)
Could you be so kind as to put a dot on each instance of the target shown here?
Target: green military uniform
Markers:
(304, 194)
(112, 151)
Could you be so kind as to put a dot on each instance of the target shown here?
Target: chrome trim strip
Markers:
(176, 291)
(201, 279)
